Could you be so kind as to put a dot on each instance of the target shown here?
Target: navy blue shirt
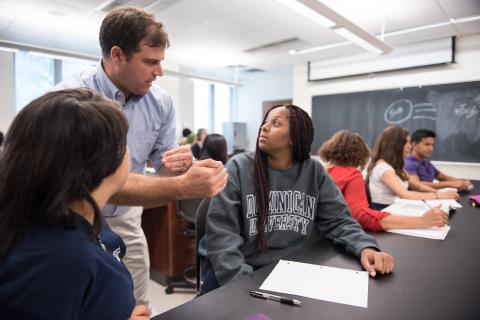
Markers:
(59, 273)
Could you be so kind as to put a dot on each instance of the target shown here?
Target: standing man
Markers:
(422, 170)
(133, 44)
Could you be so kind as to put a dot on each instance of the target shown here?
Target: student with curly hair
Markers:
(345, 153)
(275, 199)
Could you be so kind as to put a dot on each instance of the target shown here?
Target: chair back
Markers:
(188, 209)
(367, 190)
(201, 220)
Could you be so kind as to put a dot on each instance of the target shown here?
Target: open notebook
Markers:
(416, 208)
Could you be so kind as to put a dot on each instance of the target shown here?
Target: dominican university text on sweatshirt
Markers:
(301, 198)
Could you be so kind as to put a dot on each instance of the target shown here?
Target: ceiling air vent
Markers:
(253, 70)
(282, 45)
(161, 5)
(242, 68)
(151, 5)
(110, 5)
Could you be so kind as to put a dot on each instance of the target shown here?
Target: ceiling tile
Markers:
(214, 32)
(454, 9)
(468, 27)
(87, 5)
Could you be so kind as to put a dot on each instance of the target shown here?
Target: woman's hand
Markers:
(374, 261)
(448, 195)
(434, 218)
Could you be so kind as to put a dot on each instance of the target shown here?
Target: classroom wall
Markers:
(274, 84)
(181, 92)
(180, 89)
(7, 92)
(466, 69)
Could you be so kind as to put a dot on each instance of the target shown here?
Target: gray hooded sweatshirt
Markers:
(301, 197)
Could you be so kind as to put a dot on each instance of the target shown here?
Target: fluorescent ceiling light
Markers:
(389, 34)
(7, 49)
(347, 34)
(327, 46)
(313, 9)
(308, 12)
(464, 19)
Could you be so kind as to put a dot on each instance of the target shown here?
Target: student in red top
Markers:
(345, 152)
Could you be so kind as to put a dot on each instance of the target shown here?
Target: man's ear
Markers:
(117, 55)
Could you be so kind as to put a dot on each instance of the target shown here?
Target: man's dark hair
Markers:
(186, 132)
(420, 134)
(127, 27)
(1, 138)
(58, 150)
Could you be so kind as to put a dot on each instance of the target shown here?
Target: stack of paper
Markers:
(445, 204)
(435, 233)
(416, 208)
(319, 282)
(448, 189)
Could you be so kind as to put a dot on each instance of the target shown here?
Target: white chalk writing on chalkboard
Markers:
(402, 110)
(466, 110)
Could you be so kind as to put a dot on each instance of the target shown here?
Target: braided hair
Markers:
(301, 135)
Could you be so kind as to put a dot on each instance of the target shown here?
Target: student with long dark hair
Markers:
(274, 200)
(214, 147)
(346, 153)
(65, 155)
(387, 176)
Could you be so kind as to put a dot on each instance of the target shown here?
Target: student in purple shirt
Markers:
(421, 169)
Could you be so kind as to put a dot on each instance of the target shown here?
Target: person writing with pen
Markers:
(276, 199)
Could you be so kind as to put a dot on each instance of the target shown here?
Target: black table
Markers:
(432, 279)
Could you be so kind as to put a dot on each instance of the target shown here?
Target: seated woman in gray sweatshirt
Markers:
(274, 199)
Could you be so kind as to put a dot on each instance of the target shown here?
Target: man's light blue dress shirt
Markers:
(151, 121)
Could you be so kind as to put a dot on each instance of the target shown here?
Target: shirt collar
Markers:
(109, 89)
(411, 157)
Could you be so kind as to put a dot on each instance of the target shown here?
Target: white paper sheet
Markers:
(319, 282)
(412, 211)
(416, 208)
(448, 189)
(430, 233)
(450, 203)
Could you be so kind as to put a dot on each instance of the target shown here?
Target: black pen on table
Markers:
(263, 295)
